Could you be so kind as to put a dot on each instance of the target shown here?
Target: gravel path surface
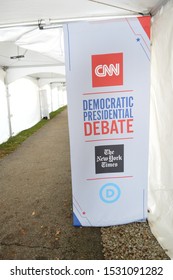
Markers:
(131, 242)
(36, 208)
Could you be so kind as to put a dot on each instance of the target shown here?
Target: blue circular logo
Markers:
(110, 193)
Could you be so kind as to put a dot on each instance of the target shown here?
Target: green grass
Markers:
(13, 142)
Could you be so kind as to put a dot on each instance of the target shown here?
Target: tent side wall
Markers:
(24, 104)
(161, 129)
(4, 123)
(56, 96)
(59, 97)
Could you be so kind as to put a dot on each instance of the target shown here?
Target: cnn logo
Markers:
(103, 70)
(107, 70)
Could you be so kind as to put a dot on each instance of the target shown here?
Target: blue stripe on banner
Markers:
(76, 222)
(145, 52)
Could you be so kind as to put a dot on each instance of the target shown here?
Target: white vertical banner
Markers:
(108, 84)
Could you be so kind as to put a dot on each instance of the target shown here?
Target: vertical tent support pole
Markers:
(51, 89)
(9, 111)
(39, 96)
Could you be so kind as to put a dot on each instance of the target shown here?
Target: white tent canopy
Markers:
(21, 36)
(20, 22)
(43, 49)
(20, 11)
(21, 47)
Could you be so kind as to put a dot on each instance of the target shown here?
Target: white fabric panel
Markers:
(47, 42)
(47, 97)
(55, 99)
(59, 97)
(62, 96)
(24, 104)
(44, 103)
(14, 33)
(4, 125)
(161, 129)
(19, 72)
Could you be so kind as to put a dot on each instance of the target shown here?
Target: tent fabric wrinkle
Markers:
(47, 42)
(14, 33)
(161, 136)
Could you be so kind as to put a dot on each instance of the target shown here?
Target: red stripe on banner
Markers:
(137, 34)
(105, 92)
(97, 140)
(117, 177)
(145, 22)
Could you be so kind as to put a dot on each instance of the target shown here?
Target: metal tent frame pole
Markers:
(55, 23)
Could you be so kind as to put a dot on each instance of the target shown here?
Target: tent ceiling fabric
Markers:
(45, 47)
(17, 11)
(31, 58)
(35, 48)
(47, 42)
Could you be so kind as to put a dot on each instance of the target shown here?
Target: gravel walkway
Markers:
(131, 242)
(36, 210)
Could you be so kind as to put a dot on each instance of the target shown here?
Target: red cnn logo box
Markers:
(107, 70)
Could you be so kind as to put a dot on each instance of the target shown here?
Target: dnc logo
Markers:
(107, 70)
(110, 193)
